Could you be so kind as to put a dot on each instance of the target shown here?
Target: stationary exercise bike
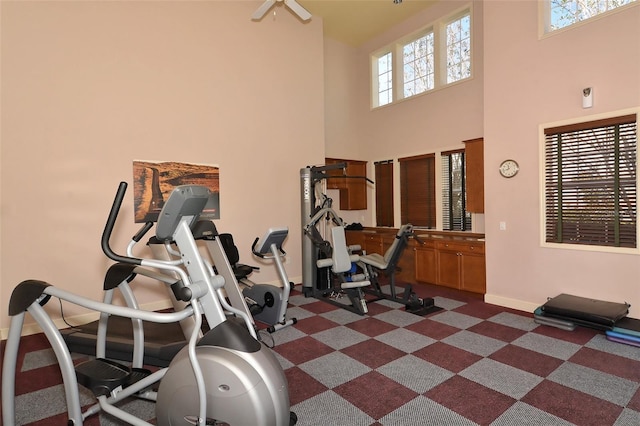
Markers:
(266, 303)
(226, 377)
(269, 302)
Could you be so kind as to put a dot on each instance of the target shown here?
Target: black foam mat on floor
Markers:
(424, 310)
(589, 312)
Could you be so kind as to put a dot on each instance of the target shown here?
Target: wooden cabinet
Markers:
(474, 158)
(355, 238)
(426, 262)
(334, 182)
(369, 242)
(461, 265)
(353, 191)
(405, 268)
(446, 259)
(373, 244)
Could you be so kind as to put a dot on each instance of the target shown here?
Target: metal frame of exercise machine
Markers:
(374, 264)
(267, 303)
(316, 210)
(227, 376)
(316, 206)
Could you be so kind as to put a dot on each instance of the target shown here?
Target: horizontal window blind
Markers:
(417, 190)
(590, 183)
(454, 206)
(384, 192)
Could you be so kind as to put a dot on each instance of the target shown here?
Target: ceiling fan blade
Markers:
(298, 10)
(262, 10)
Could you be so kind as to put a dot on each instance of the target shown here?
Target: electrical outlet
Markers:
(503, 226)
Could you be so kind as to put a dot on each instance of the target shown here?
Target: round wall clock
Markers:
(509, 168)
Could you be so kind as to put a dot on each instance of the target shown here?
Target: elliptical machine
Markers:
(227, 377)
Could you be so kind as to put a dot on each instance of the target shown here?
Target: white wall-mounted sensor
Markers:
(587, 97)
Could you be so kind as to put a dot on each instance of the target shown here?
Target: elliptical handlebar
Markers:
(108, 229)
(142, 231)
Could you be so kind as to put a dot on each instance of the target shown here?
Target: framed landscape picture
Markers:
(153, 182)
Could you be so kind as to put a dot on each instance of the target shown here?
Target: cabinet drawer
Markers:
(461, 246)
(423, 243)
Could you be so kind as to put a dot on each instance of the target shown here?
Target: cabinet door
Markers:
(353, 191)
(354, 195)
(449, 268)
(355, 238)
(373, 244)
(407, 263)
(334, 182)
(473, 273)
(426, 265)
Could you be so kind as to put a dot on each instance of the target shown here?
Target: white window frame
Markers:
(542, 184)
(375, 77)
(443, 34)
(399, 63)
(544, 12)
(440, 58)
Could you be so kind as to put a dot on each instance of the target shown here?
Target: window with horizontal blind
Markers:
(417, 190)
(384, 192)
(454, 200)
(590, 183)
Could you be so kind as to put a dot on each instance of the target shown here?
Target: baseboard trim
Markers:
(520, 305)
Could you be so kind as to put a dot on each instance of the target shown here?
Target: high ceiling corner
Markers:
(354, 22)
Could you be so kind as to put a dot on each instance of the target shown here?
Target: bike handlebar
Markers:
(108, 229)
(253, 248)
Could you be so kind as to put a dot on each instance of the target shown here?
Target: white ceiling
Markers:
(354, 22)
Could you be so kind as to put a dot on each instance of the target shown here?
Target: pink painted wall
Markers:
(520, 82)
(441, 118)
(528, 82)
(87, 87)
(438, 120)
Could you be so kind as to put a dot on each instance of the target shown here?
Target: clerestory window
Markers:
(564, 13)
(437, 55)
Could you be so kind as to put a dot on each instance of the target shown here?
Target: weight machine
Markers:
(318, 253)
(327, 266)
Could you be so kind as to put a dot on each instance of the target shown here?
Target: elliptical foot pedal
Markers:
(103, 376)
(137, 374)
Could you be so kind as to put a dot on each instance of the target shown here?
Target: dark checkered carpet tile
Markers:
(469, 364)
